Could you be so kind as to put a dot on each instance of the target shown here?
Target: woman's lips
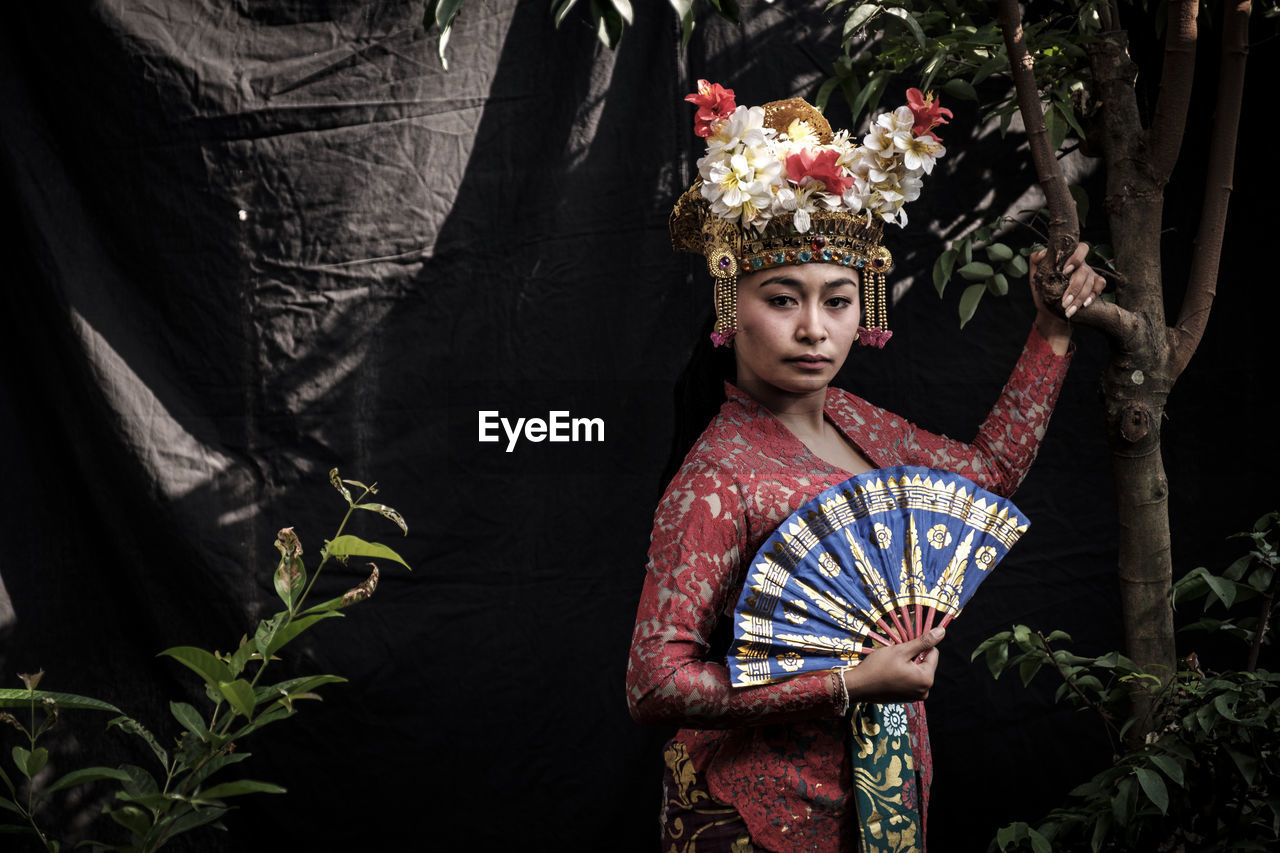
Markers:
(810, 362)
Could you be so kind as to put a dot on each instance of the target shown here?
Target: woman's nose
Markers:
(811, 326)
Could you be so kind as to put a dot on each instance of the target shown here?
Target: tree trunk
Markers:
(1136, 383)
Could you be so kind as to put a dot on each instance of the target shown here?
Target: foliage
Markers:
(156, 807)
(1207, 775)
(609, 18)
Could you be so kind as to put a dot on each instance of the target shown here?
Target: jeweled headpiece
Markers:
(778, 187)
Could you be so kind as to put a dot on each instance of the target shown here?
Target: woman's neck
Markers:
(800, 413)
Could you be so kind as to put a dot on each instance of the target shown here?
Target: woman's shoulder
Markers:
(845, 407)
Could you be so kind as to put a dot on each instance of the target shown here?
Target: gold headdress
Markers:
(778, 187)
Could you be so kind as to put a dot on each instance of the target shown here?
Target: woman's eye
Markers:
(781, 300)
(839, 302)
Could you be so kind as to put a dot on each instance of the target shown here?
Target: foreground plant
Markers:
(1207, 774)
(181, 796)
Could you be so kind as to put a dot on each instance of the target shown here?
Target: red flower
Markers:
(821, 167)
(928, 112)
(714, 102)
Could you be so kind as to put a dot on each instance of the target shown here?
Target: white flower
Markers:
(895, 720)
(802, 201)
(744, 174)
(734, 191)
(802, 134)
(879, 139)
(744, 127)
(919, 152)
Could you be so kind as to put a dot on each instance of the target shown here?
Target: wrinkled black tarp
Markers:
(256, 241)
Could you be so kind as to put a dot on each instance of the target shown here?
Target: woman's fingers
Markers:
(1083, 284)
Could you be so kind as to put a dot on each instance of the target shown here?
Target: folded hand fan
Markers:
(875, 559)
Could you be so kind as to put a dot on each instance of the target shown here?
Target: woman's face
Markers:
(795, 326)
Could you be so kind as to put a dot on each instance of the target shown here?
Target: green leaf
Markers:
(976, 271)
(958, 88)
(942, 270)
(1068, 114)
(322, 607)
(190, 719)
(1039, 843)
(1168, 765)
(445, 12)
(39, 758)
(239, 788)
(931, 69)
(240, 694)
(1224, 589)
(289, 632)
(8, 783)
(559, 10)
(85, 775)
(30, 762)
(1016, 268)
(290, 579)
(859, 17)
(969, 302)
(1028, 669)
(999, 252)
(1055, 127)
(353, 546)
(1246, 763)
(194, 819)
(998, 285)
(1082, 203)
(1122, 802)
(133, 727)
(215, 764)
(868, 95)
(131, 818)
(10, 805)
(1153, 786)
(241, 656)
(1100, 830)
(387, 512)
(609, 22)
(912, 24)
(202, 663)
(728, 9)
(443, 43)
(141, 783)
(21, 698)
(304, 684)
(997, 656)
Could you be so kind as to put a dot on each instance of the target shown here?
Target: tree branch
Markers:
(1115, 322)
(1202, 285)
(1064, 228)
(1169, 124)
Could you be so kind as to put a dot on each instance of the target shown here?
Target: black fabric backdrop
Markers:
(256, 241)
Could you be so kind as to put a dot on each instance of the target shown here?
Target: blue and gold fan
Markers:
(872, 561)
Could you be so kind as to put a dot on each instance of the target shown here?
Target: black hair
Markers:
(699, 391)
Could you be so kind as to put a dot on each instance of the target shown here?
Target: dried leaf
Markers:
(363, 591)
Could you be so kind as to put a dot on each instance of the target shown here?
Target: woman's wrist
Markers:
(1055, 330)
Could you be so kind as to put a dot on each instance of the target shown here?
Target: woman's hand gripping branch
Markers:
(1083, 287)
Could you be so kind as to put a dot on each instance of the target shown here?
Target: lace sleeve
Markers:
(1009, 438)
(695, 557)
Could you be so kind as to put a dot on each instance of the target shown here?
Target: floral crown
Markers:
(777, 186)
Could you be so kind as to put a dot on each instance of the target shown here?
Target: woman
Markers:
(788, 216)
